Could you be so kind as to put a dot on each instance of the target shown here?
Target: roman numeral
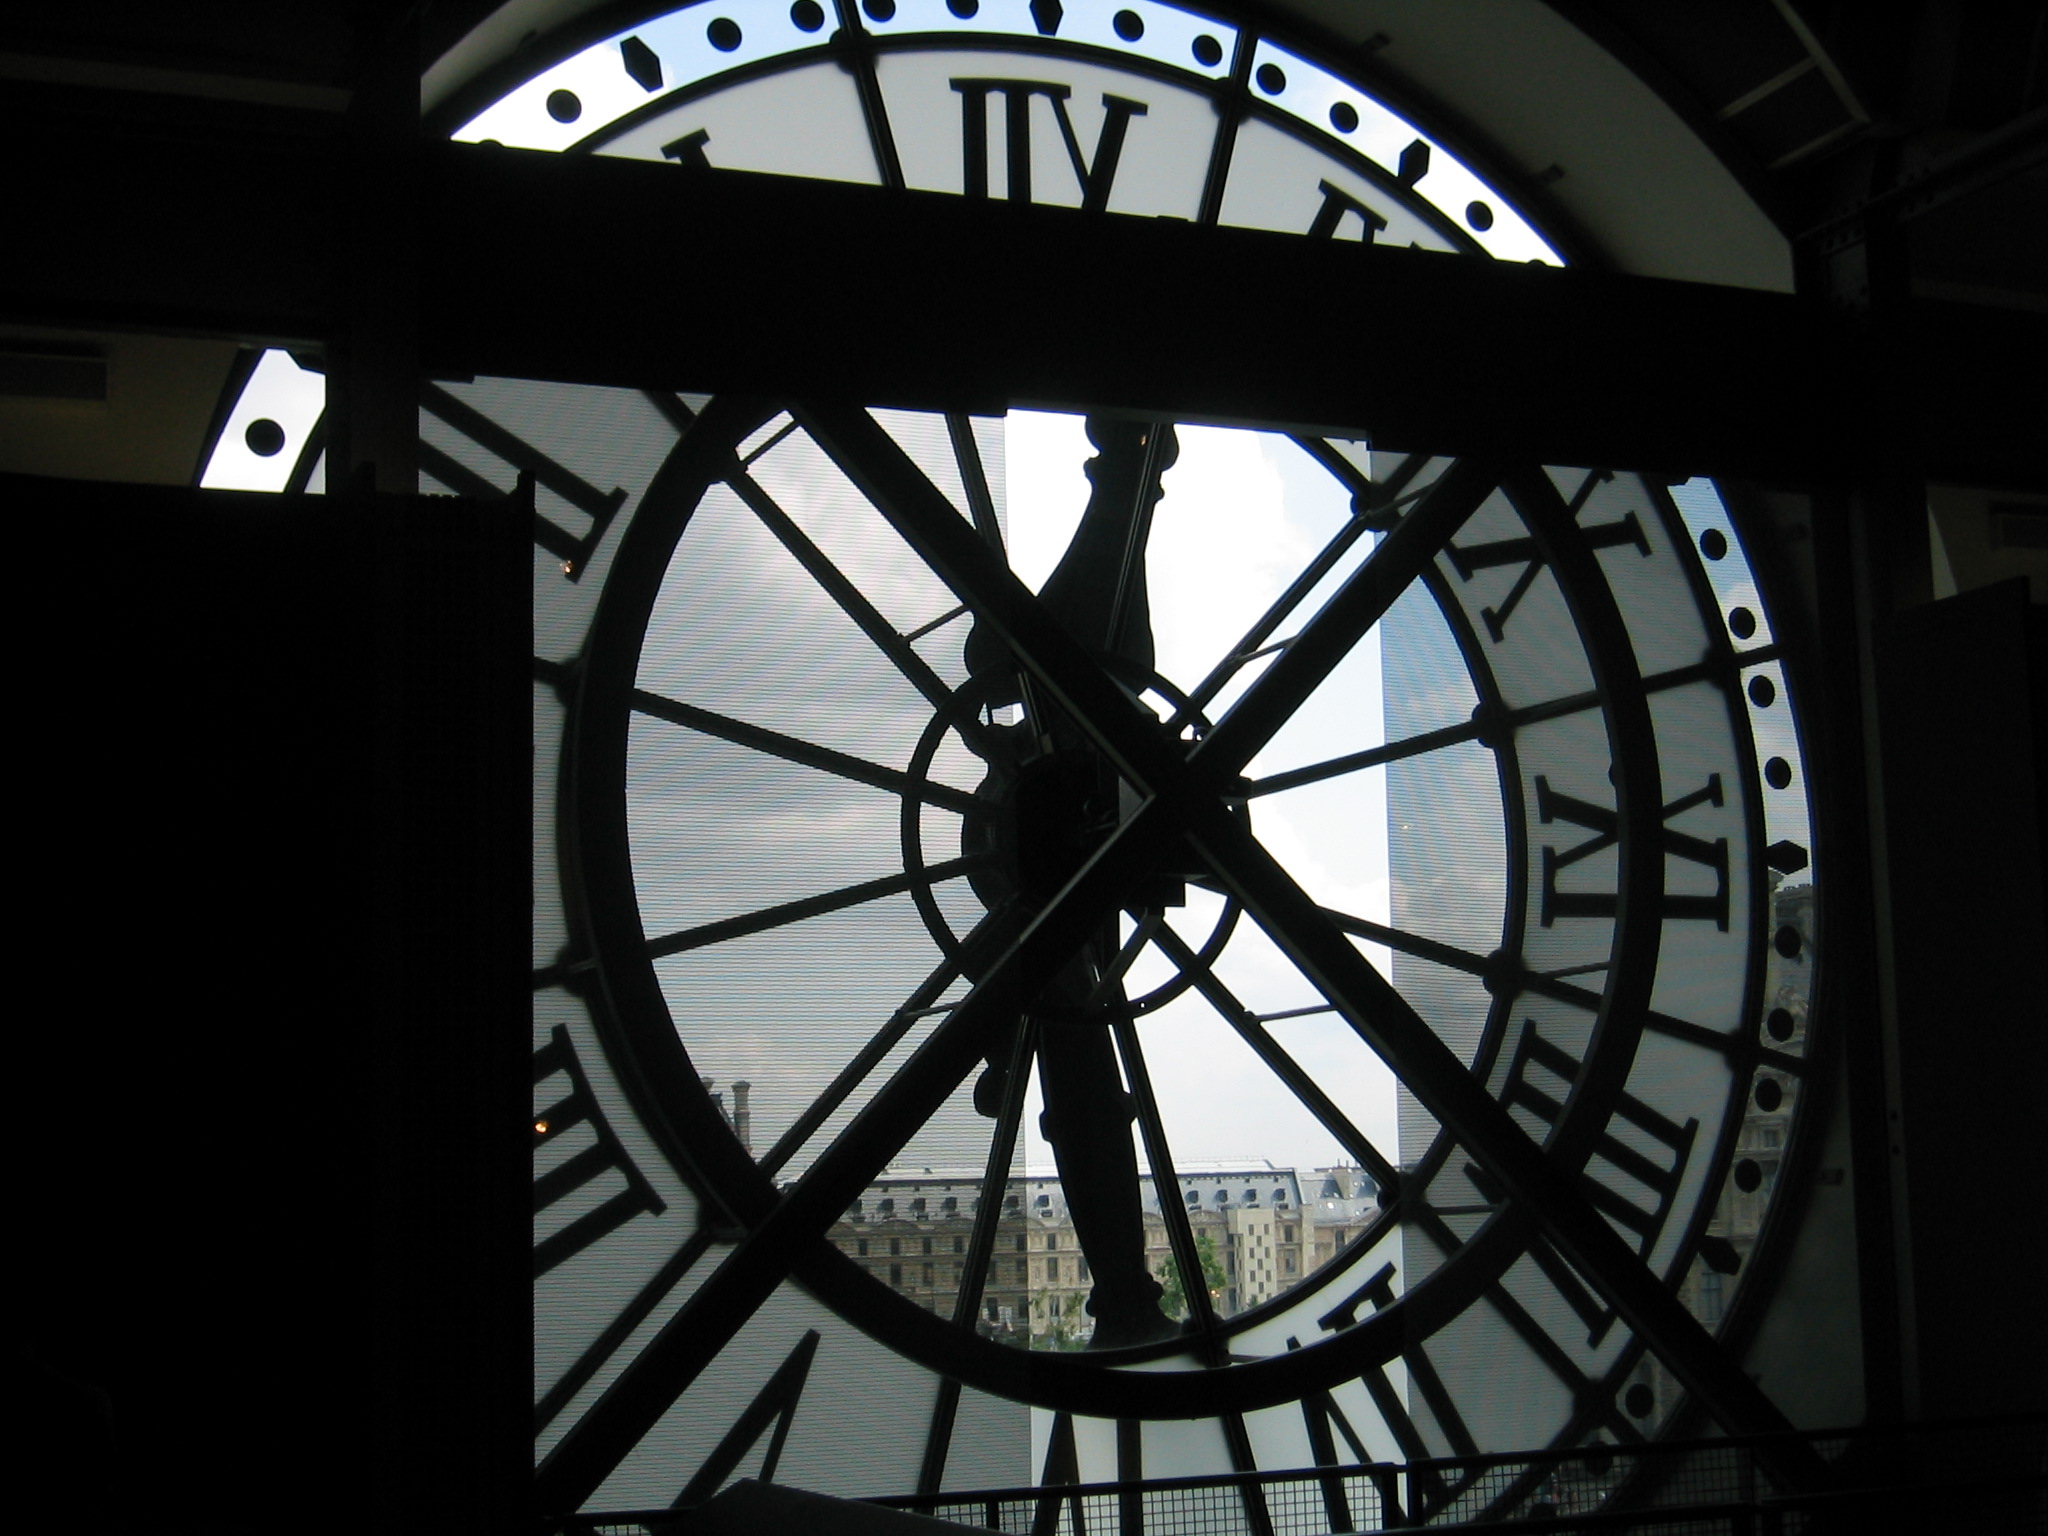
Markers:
(1631, 1188)
(603, 1154)
(533, 466)
(1523, 552)
(775, 1403)
(1428, 1492)
(1555, 806)
(1336, 203)
(1094, 176)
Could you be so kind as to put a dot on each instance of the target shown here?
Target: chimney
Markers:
(742, 1119)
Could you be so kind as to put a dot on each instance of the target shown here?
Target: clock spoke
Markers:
(981, 503)
(849, 598)
(1375, 757)
(1463, 1106)
(1251, 1029)
(1403, 555)
(783, 914)
(793, 1228)
(1254, 642)
(922, 1003)
(1180, 1232)
(795, 749)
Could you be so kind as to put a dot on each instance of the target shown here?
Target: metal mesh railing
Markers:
(1987, 1476)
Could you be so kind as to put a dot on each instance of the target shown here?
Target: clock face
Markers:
(1073, 947)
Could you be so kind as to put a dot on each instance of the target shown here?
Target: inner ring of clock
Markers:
(1043, 805)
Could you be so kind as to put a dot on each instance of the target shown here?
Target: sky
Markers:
(1242, 513)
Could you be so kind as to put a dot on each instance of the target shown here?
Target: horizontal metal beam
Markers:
(654, 275)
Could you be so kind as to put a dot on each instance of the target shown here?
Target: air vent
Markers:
(39, 371)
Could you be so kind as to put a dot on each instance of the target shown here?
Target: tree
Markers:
(1175, 1301)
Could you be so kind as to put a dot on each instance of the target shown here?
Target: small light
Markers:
(540, 1127)
(568, 567)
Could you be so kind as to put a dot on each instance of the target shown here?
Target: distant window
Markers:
(1023, 1271)
(1251, 1197)
(950, 1204)
(959, 1245)
(1194, 1197)
(1279, 1197)
(1021, 1240)
(896, 1276)
(927, 1274)
(1712, 1299)
(1013, 1203)
(1343, 1238)
(861, 1247)
(917, 1205)
(1287, 1234)
(886, 1207)
(1052, 1269)
(895, 1245)
(1043, 1200)
(1052, 1241)
(1081, 1264)
(1223, 1197)
(857, 1208)
(927, 1245)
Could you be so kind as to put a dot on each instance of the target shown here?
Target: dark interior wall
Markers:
(277, 886)
(1960, 697)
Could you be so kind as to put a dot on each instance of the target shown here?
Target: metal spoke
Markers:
(995, 1178)
(785, 913)
(1463, 1106)
(1253, 643)
(1180, 1232)
(1374, 757)
(620, 1329)
(919, 1005)
(1401, 557)
(1252, 1030)
(796, 1223)
(981, 506)
(843, 592)
(796, 750)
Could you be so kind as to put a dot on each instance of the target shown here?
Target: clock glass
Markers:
(1077, 947)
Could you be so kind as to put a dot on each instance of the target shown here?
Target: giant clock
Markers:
(942, 856)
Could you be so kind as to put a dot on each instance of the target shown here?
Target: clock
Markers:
(903, 840)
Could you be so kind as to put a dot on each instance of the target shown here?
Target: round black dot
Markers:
(1786, 942)
(963, 8)
(1639, 1400)
(563, 106)
(879, 10)
(1778, 773)
(1768, 1094)
(724, 34)
(1713, 543)
(1743, 622)
(1748, 1176)
(265, 438)
(1343, 117)
(1779, 1023)
(1480, 217)
(1208, 52)
(808, 15)
(1130, 26)
(1762, 692)
(1272, 79)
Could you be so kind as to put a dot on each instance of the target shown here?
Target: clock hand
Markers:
(1098, 593)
